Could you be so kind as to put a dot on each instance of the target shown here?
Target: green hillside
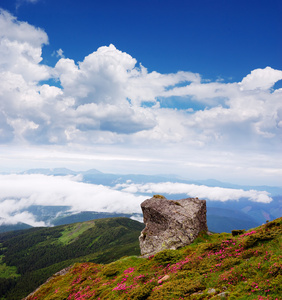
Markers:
(29, 257)
(241, 265)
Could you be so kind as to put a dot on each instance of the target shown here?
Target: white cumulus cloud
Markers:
(200, 191)
(261, 79)
(21, 48)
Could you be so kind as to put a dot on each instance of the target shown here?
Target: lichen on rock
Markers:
(171, 224)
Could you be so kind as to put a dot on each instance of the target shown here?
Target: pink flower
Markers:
(128, 271)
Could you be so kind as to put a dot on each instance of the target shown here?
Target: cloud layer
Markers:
(200, 191)
(19, 192)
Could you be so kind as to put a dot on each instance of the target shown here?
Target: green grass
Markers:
(218, 266)
(73, 231)
(7, 271)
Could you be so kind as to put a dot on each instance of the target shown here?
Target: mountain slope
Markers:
(38, 253)
(246, 265)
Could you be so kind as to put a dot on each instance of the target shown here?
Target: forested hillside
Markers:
(29, 257)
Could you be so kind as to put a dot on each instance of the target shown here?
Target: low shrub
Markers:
(211, 247)
(177, 288)
(272, 224)
(238, 232)
(253, 240)
(176, 203)
(166, 257)
(110, 270)
(230, 262)
(141, 292)
(159, 196)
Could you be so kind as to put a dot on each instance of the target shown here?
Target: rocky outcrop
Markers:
(171, 224)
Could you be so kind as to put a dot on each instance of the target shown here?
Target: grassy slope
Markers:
(246, 266)
(29, 257)
(7, 271)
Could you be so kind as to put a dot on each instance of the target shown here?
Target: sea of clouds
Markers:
(19, 192)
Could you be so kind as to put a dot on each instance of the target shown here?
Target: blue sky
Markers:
(185, 87)
(218, 39)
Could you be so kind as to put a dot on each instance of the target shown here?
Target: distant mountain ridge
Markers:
(98, 177)
(59, 171)
(13, 227)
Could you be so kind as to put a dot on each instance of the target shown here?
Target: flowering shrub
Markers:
(248, 233)
(231, 277)
(128, 271)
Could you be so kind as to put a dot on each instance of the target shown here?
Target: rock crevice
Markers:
(171, 224)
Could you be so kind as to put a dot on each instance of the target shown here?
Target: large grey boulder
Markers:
(171, 224)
